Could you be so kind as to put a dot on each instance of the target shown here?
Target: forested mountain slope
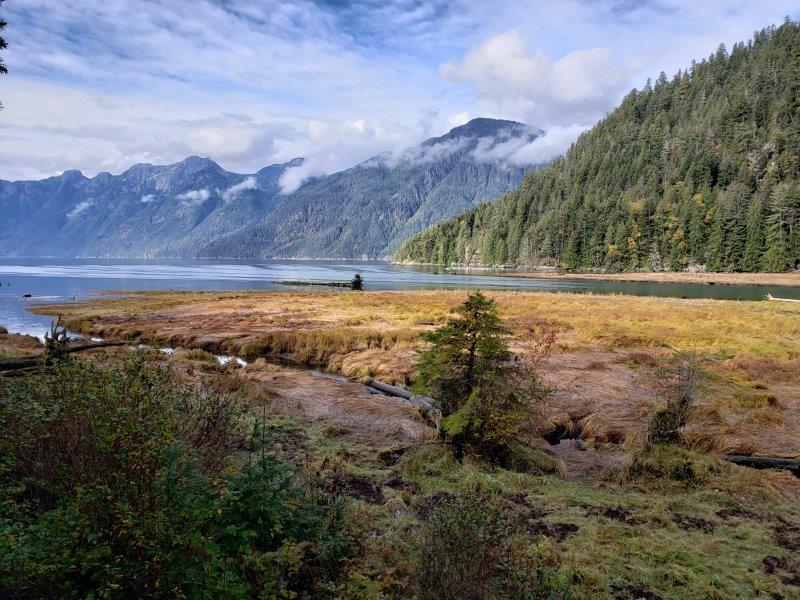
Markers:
(702, 170)
(368, 210)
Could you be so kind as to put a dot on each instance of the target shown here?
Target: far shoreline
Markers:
(790, 279)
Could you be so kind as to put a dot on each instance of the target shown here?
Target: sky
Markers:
(100, 85)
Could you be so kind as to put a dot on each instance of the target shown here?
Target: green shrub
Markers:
(465, 549)
(121, 482)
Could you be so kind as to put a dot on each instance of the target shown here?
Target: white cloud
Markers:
(340, 145)
(429, 152)
(247, 184)
(148, 198)
(193, 197)
(581, 85)
(79, 208)
(522, 151)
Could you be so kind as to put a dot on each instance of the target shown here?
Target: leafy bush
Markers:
(121, 482)
(465, 550)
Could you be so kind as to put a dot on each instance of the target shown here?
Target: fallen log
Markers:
(765, 462)
(26, 362)
(423, 401)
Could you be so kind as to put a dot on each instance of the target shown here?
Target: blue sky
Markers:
(99, 85)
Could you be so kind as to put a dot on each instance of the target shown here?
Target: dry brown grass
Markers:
(729, 329)
(605, 371)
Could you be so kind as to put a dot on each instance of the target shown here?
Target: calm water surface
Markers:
(56, 280)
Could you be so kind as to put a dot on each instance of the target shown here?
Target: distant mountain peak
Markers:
(481, 127)
(197, 163)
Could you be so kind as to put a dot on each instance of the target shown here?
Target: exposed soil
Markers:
(689, 523)
(786, 534)
(619, 514)
(783, 567)
(736, 513)
(358, 487)
(634, 593)
(555, 531)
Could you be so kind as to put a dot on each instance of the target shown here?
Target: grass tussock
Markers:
(672, 462)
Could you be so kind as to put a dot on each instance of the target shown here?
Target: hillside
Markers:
(197, 208)
(700, 171)
(368, 210)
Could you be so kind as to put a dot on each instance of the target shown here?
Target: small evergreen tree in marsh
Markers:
(484, 392)
(357, 283)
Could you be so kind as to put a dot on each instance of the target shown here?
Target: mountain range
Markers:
(195, 208)
(697, 171)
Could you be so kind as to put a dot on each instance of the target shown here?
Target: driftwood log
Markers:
(422, 401)
(26, 362)
(765, 462)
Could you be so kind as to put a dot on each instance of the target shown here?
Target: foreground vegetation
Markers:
(699, 169)
(127, 476)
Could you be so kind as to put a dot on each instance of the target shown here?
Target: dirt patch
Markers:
(395, 483)
(358, 487)
(390, 456)
(689, 523)
(783, 567)
(736, 513)
(619, 514)
(638, 592)
(426, 505)
(555, 531)
(786, 534)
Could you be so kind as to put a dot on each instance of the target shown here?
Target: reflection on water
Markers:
(53, 280)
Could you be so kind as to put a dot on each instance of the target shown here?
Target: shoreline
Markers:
(755, 279)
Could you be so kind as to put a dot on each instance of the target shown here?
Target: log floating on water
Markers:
(771, 297)
(765, 462)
